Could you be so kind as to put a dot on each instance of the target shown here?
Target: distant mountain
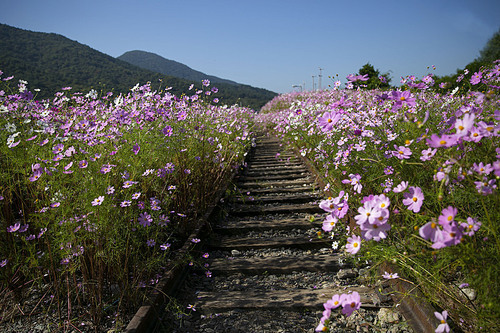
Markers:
(50, 61)
(156, 63)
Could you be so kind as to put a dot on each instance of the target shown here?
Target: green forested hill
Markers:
(50, 61)
(156, 63)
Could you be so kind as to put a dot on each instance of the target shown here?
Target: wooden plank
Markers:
(276, 265)
(235, 227)
(252, 210)
(292, 189)
(245, 243)
(276, 171)
(274, 164)
(290, 198)
(262, 177)
(302, 181)
(279, 299)
(266, 168)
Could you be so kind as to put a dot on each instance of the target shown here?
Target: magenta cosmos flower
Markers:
(328, 120)
(436, 141)
(414, 199)
(402, 97)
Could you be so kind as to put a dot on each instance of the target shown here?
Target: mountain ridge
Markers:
(50, 61)
(156, 63)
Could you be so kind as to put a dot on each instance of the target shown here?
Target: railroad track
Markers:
(267, 269)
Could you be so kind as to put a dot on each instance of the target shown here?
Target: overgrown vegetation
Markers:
(418, 171)
(97, 191)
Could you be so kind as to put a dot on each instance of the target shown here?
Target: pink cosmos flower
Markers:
(443, 326)
(402, 97)
(369, 213)
(168, 131)
(475, 134)
(465, 124)
(14, 228)
(447, 215)
(36, 175)
(321, 327)
(328, 120)
(414, 199)
(401, 187)
(145, 219)
(136, 149)
(443, 141)
(98, 201)
(482, 169)
(329, 223)
(430, 231)
(354, 181)
(470, 227)
(390, 276)
(375, 231)
(334, 302)
(427, 154)
(402, 152)
(353, 244)
(476, 78)
(164, 247)
(351, 303)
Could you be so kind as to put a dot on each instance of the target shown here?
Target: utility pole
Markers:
(313, 83)
(319, 79)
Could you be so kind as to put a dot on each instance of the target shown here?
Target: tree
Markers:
(491, 50)
(375, 79)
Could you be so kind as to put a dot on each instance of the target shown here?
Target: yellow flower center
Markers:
(433, 225)
(355, 244)
(330, 120)
(461, 127)
(415, 199)
(442, 142)
(450, 218)
(402, 98)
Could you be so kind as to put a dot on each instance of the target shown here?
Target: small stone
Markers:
(386, 315)
(346, 274)
(235, 252)
(470, 293)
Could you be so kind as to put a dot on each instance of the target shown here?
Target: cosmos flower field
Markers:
(412, 180)
(97, 190)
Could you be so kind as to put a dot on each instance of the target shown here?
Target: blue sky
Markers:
(275, 44)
